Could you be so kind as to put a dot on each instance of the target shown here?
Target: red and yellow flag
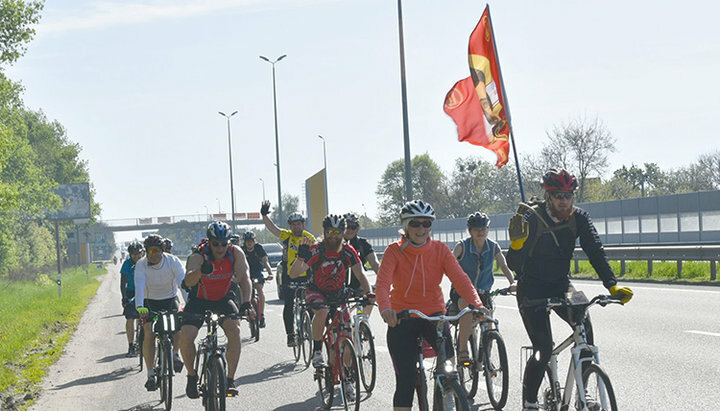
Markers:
(476, 103)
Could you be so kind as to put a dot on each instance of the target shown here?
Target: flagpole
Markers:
(403, 89)
(507, 106)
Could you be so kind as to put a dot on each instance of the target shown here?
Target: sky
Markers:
(138, 85)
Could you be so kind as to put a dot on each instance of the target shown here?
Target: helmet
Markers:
(167, 244)
(295, 217)
(559, 180)
(416, 208)
(235, 239)
(218, 230)
(478, 220)
(351, 218)
(249, 235)
(135, 247)
(334, 221)
(153, 240)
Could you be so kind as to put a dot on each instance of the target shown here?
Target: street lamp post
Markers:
(327, 209)
(277, 144)
(232, 190)
(263, 188)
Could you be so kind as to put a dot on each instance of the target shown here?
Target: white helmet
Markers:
(416, 208)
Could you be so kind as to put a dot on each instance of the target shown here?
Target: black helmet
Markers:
(416, 208)
(153, 240)
(135, 247)
(334, 221)
(217, 230)
(351, 218)
(478, 220)
(235, 239)
(249, 235)
(167, 245)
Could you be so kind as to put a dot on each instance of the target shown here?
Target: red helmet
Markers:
(559, 180)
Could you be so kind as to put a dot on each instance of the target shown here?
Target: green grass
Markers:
(36, 325)
(692, 271)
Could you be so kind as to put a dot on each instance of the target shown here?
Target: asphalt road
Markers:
(659, 350)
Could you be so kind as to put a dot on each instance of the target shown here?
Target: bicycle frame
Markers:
(336, 331)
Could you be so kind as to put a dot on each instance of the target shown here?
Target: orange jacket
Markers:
(415, 274)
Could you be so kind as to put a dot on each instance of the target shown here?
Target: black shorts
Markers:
(484, 297)
(169, 304)
(194, 311)
(257, 275)
(129, 311)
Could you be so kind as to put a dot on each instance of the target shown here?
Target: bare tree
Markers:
(581, 147)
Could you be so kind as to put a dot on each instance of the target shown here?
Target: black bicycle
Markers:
(165, 325)
(254, 322)
(211, 365)
(302, 324)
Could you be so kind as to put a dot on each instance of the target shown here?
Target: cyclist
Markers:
(127, 290)
(542, 242)
(167, 245)
(477, 255)
(364, 249)
(158, 277)
(211, 269)
(327, 263)
(290, 240)
(413, 267)
(257, 260)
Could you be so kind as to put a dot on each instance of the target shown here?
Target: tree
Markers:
(428, 181)
(643, 178)
(17, 19)
(478, 186)
(290, 205)
(580, 147)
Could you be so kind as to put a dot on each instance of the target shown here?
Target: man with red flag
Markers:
(481, 92)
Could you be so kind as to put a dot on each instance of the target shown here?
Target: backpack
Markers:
(542, 227)
(327, 281)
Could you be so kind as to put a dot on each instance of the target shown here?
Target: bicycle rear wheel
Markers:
(216, 385)
(468, 375)
(350, 377)
(165, 356)
(366, 351)
(324, 377)
(599, 393)
(495, 368)
(306, 337)
(451, 396)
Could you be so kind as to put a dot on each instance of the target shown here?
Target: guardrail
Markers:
(651, 253)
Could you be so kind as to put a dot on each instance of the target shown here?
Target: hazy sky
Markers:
(139, 83)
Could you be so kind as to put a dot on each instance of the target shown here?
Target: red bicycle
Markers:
(341, 366)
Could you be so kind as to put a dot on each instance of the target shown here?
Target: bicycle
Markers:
(448, 393)
(166, 324)
(139, 338)
(594, 390)
(302, 324)
(254, 322)
(342, 361)
(213, 374)
(364, 342)
(487, 353)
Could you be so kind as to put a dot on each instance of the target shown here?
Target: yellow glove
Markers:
(518, 230)
(626, 292)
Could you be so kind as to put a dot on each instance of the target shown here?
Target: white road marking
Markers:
(703, 333)
(668, 287)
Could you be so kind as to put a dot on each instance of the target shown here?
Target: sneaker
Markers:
(230, 389)
(132, 352)
(262, 322)
(177, 363)
(191, 389)
(151, 383)
(530, 406)
(349, 393)
(290, 340)
(317, 359)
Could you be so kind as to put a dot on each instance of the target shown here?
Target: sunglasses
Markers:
(416, 224)
(333, 232)
(563, 195)
(219, 244)
(352, 226)
(154, 251)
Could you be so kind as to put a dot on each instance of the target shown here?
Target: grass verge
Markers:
(692, 271)
(36, 325)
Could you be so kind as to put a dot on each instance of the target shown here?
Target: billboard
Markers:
(75, 201)
(315, 202)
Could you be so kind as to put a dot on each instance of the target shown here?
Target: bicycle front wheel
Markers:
(450, 396)
(324, 377)
(548, 394)
(599, 393)
(255, 322)
(350, 377)
(306, 337)
(140, 333)
(217, 385)
(495, 368)
(297, 330)
(421, 389)
(366, 351)
(166, 372)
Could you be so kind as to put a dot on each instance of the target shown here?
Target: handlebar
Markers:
(405, 314)
(500, 291)
(551, 302)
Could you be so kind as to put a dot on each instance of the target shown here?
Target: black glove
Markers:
(206, 267)
(304, 252)
(265, 208)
